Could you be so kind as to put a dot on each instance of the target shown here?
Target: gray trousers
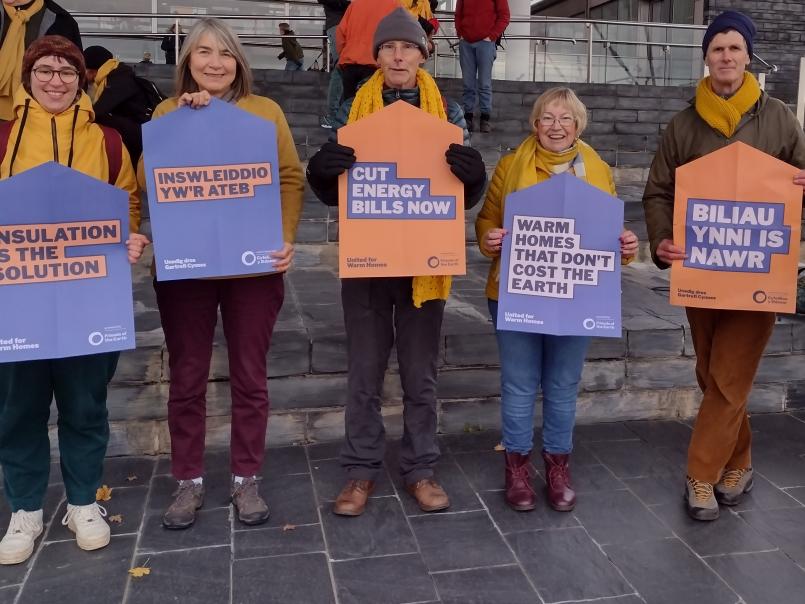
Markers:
(379, 312)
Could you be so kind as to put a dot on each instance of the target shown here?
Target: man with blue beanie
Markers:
(729, 106)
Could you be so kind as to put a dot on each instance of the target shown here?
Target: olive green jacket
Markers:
(769, 127)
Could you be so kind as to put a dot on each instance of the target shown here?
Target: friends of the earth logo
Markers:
(210, 183)
(375, 192)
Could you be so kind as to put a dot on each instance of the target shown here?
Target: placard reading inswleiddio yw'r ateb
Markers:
(560, 261)
(65, 279)
(737, 215)
(401, 209)
(213, 192)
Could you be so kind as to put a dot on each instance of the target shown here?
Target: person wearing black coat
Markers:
(169, 44)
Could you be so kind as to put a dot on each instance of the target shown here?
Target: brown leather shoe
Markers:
(250, 507)
(181, 514)
(429, 495)
(351, 500)
(561, 495)
(520, 494)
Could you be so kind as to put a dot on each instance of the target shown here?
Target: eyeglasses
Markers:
(389, 48)
(565, 121)
(45, 74)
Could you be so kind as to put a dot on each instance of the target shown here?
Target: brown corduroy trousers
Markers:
(729, 345)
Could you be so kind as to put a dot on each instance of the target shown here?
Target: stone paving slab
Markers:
(628, 540)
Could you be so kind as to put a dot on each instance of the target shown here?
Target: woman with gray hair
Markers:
(212, 64)
(531, 360)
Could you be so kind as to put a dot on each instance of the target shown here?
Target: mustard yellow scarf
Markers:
(11, 55)
(533, 164)
(722, 114)
(370, 99)
(418, 8)
(100, 78)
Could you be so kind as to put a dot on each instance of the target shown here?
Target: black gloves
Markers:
(325, 167)
(466, 163)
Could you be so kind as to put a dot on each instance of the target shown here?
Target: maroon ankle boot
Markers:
(561, 495)
(520, 494)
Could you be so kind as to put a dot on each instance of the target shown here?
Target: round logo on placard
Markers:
(248, 258)
(588, 323)
(95, 338)
(433, 262)
(759, 296)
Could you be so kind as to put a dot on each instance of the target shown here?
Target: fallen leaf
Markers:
(131, 478)
(117, 518)
(139, 571)
(288, 527)
(500, 447)
(103, 494)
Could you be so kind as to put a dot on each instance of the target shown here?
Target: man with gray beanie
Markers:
(406, 311)
(729, 106)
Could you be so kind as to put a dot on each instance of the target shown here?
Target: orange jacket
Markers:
(355, 32)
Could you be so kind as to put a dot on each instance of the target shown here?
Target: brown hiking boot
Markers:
(181, 514)
(732, 486)
(429, 495)
(250, 507)
(351, 501)
(700, 501)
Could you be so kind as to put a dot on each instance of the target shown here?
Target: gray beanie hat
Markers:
(400, 25)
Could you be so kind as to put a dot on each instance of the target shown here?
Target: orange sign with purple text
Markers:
(737, 215)
(401, 209)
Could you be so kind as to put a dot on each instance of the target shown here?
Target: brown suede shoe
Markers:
(251, 508)
(351, 500)
(429, 495)
(181, 514)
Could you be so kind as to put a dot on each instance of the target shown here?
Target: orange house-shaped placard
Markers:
(401, 209)
(737, 214)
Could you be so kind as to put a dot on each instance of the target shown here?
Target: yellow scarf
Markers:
(370, 99)
(533, 164)
(418, 8)
(11, 55)
(721, 114)
(100, 77)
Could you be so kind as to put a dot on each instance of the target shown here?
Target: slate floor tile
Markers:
(381, 530)
(498, 585)
(467, 443)
(594, 478)
(128, 503)
(212, 527)
(782, 469)
(259, 542)
(603, 432)
(657, 490)
(630, 459)
(285, 460)
(765, 496)
(784, 528)
(330, 478)
(459, 541)
(484, 469)
(127, 471)
(672, 434)
(667, 572)
(384, 580)
(573, 569)
(541, 517)
(304, 578)
(781, 578)
(64, 573)
(618, 517)
(324, 450)
(797, 493)
(729, 535)
(290, 500)
(196, 576)
(9, 594)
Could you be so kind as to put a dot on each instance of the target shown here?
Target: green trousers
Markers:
(26, 390)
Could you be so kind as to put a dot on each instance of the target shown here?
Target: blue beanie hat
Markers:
(730, 20)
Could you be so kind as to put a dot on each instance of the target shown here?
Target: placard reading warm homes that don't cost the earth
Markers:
(401, 209)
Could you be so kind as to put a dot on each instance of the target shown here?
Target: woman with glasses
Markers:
(212, 64)
(54, 122)
(528, 360)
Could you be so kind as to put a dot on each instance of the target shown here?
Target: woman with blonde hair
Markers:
(531, 360)
(212, 64)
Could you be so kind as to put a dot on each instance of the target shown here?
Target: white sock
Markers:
(198, 480)
(240, 479)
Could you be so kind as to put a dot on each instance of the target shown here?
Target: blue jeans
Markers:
(293, 65)
(476, 59)
(526, 361)
(336, 88)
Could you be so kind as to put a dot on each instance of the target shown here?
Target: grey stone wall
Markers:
(780, 39)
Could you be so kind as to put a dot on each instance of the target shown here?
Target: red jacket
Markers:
(479, 19)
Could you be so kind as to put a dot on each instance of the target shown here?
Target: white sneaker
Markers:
(86, 521)
(18, 543)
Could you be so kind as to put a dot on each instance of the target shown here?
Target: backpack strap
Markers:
(5, 136)
(114, 152)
